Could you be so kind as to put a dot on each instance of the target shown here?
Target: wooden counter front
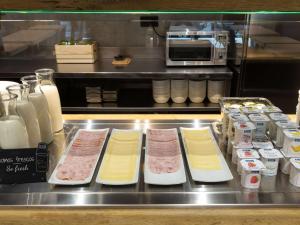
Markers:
(178, 216)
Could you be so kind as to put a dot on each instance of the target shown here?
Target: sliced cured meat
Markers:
(162, 135)
(76, 168)
(160, 149)
(163, 151)
(164, 164)
(82, 156)
(87, 143)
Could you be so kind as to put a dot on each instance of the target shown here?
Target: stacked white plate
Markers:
(179, 90)
(215, 90)
(197, 90)
(161, 90)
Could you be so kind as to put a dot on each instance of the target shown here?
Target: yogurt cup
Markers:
(234, 157)
(251, 173)
(249, 104)
(225, 118)
(229, 146)
(271, 109)
(285, 164)
(264, 144)
(295, 172)
(235, 117)
(243, 132)
(270, 158)
(250, 110)
(280, 127)
(291, 143)
(261, 123)
(275, 117)
(245, 154)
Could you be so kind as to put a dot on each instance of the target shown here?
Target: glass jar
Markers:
(179, 90)
(39, 101)
(27, 112)
(48, 87)
(13, 133)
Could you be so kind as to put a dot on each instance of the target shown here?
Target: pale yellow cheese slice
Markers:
(118, 168)
(197, 134)
(126, 136)
(119, 162)
(202, 152)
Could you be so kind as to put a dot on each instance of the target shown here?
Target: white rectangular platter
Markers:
(137, 163)
(54, 180)
(173, 178)
(204, 175)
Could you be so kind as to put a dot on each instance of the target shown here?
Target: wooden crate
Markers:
(76, 53)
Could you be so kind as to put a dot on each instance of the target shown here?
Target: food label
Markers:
(24, 165)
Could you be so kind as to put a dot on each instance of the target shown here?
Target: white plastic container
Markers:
(215, 90)
(235, 117)
(261, 123)
(280, 127)
(264, 144)
(161, 90)
(295, 172)
(250, 110)
(225, 119)
(245, 154)
(234, 157)
(270, 109)
(270, 158)
(197, 90)
(285, 164)
(291, 143)
(275, 117)
(243, 132)
(251, 173)
(229, 146)
(179, 90)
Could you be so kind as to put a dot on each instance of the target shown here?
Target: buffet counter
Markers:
(277, 202)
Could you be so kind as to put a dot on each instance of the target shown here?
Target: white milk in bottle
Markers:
(40, 104)
(26, 111)
(13, 133)
(48, 87)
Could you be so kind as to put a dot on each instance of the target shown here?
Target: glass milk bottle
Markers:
(48, 87)
(26, 111)
(40, 104)
(13, 133)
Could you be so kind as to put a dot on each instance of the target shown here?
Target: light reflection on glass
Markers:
(196, 123)
(137, 124)
(89, 124)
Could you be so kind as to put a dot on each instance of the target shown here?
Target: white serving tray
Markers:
(137, 166)
(208, 175)
(177, 177)
(54, 180)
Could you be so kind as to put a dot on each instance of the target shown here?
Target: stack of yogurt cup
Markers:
(250, 133)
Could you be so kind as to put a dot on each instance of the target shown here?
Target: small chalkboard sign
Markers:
(24, 165)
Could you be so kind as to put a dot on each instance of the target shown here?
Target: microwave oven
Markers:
(196, 48)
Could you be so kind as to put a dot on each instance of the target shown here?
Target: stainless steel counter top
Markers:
(137, 69)
(274, 191)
